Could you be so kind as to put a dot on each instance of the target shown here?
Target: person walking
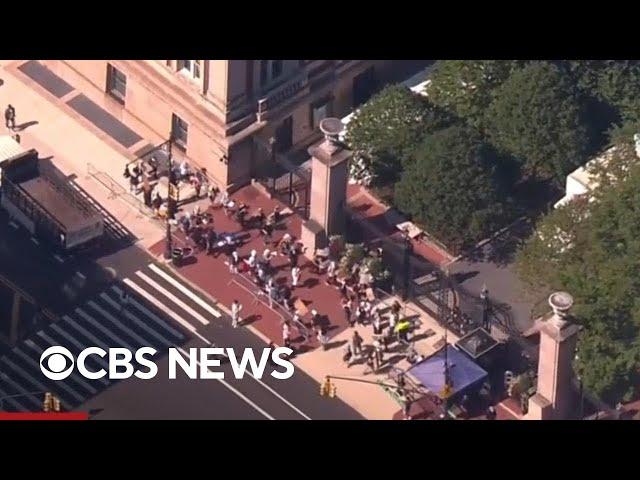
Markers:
(346, 307)
(124, 300)
(236, 308)
(322, 338)
(356, 344)
(295, 276)
(10, 117)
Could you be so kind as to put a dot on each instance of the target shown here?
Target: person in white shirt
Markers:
(236, 308)
(331, 273)
(286, 332)
(184, 170)
(252, 259)
(234, 261)
(295, 276)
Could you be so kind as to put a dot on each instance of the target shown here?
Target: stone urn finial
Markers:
(561, 303)
(332, 128)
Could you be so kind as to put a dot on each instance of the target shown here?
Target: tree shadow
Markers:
(461, 277)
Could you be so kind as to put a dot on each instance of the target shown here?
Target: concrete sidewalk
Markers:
(57, 132)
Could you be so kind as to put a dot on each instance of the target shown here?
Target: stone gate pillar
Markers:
(554, 396)
(329, 175)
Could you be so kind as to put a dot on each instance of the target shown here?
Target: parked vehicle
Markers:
(39, 196)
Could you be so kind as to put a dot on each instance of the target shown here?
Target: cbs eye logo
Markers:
(56, 363)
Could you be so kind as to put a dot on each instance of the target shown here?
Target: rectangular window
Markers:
(116, 83)
(264, 66)
(190, 68)
(319, 111)
(276, 69)
(179, 131)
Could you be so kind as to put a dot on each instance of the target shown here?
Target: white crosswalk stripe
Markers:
(26, 394)
(184, 290)
(155, 301)
(141, 341)
(85, 332)
(30, 378)
(173, 298)
(119, 342)
(7, 398)
(150, 298)
(135, 320)
(150, 315)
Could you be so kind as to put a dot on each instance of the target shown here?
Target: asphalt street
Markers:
(84, 290)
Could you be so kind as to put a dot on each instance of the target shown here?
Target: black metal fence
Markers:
(283, 179)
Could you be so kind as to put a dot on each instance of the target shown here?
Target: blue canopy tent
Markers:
(464, 373)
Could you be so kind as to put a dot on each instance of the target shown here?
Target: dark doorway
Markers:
(363, 86)
(284, 135)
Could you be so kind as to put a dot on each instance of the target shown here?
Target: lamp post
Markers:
(408, 249)
(171, 204)
(484, 297)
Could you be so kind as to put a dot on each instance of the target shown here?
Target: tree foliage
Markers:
(452, 187)
(602, 271)
(466, 87)
(384, 131)
(537, 118)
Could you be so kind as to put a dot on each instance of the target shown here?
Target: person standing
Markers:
(234, 261)
(252, 260)
(236, 308)
(295, 276)
(286, 332)
(10, 117)
(331, 273)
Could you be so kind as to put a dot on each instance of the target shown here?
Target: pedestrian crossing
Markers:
(160, 312)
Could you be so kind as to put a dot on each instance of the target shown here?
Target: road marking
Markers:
(79, 274)
(184, 290)
(80, 347)
(35, 240)
(23, 392)
(32, 380)
(83, 331)
(119, 341)
(7, 398)
(232, 389)
(151, 315)
(115, 321)
(74, 375)
(173, 298)
(58, 258)
(13, 224)
(135, 320)
(159, 305)
(276, 394)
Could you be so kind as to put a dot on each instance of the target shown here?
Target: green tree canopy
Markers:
(383, 132)
(466, 87)
(602, 271)
(537, 118)
(452, 187)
